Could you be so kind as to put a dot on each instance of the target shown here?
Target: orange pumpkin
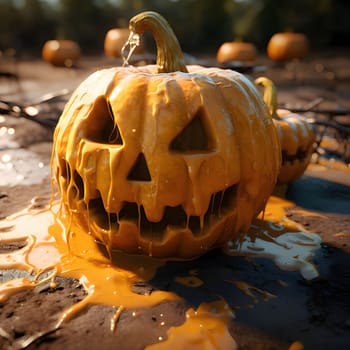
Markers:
(114, 41)
(61, 52)
(236, 51)
(168, 160)
(287, 46)
(295, 133)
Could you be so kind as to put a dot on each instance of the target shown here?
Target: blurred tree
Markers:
(339, 23)
(9, 21)
(34, 27)
(312, 17)
(128, 8)
(243, 17)
(211, 23)
(200, 25)
(86, 22)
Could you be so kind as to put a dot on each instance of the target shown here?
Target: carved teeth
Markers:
(172, 217)
(301, 155)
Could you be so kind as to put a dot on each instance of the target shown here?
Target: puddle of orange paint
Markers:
(60, 248)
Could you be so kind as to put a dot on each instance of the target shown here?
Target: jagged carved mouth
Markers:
(221, 202)
(196, 137)
(300, 155)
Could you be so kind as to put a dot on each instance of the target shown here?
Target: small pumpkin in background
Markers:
(114, 41)
(236, 51)
(296, 135)
(285, 46)
(61, 52)
(166, 160)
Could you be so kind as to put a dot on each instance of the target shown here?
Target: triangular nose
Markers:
(139, 171)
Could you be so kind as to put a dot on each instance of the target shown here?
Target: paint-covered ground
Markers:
(279, 310)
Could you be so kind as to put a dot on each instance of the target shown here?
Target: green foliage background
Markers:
(200, 25)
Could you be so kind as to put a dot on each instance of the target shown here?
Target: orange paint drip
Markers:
(14, 286)
(342, 234)
(205, 328)
(189, 281)
(115, 318)
(249, 289)
(275, 210)
(309, 214)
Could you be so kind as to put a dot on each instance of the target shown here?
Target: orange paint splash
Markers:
(72, 253)
(191, 280)
(205, 328)
(276, 237)
(249, 290)
(57, 246)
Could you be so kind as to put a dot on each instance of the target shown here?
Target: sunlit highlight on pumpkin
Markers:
(286, 46)
(236, 51)
(168, 164)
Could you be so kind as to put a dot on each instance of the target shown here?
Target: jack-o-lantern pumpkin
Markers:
(61, 52)
(296, 135)
(168, 160)
(236, 51)
(286, 46)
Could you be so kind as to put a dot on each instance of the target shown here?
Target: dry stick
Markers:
(310, 107)
(330, 112)
(30, 111)
(334, 125)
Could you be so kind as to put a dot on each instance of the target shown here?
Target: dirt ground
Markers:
(315, 313)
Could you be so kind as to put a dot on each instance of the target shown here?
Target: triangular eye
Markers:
(100, 124)
(114, 137)
(139, 171)
(194, 137)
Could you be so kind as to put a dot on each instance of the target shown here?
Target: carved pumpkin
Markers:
(114, 41)
(168, 160)
(287, 46)
(236, 51)
(296, 135)
(61, 52)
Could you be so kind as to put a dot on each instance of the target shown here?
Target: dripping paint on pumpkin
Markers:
(175, 174)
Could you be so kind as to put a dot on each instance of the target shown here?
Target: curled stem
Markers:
(169, 55)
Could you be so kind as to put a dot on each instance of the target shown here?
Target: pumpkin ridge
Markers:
(300, 155)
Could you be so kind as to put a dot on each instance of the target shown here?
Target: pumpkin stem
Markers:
(169, 54)
(269, 95)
